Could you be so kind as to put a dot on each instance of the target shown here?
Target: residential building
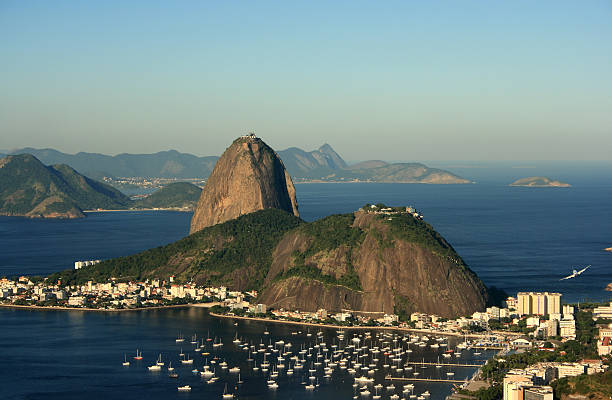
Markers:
(604, 344)
(603, 312)
(76, 301)
(513, 384)
(552, 327)
(511, 303)
(538, 303)
(523, 303)
(567, 328)
(570, 369)
(538, 393)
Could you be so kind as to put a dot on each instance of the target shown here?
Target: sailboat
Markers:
(159, 361)
(138, 355)
(236, 340)
(227, 395)
(171, 372)
(125, 361)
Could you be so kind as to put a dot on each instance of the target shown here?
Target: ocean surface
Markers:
(514, 238)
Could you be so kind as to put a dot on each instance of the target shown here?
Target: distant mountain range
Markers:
(323, 164)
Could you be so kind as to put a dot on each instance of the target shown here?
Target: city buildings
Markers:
(530, 303)
(603, 312)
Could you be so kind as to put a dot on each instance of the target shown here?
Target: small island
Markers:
(539, 181)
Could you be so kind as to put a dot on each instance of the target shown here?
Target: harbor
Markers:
(287, 359)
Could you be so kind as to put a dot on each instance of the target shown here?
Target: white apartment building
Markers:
(603, 312)
(538, 303)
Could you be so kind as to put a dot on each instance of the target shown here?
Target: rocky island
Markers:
(247, 235)
(539, 181)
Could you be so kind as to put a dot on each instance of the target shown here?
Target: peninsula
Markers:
(247, 235)
(539, 181)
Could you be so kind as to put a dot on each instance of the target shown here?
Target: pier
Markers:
(444, 364)
(489, 347)
(390, 378)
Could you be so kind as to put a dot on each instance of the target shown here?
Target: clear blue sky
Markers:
(405, 80)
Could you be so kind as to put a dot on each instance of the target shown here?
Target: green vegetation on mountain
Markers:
(29, 188)
(332, 263)
(404, 226)
(174, 195)
(210, 256)
(327, 234)
(332, 232)
(539, 181)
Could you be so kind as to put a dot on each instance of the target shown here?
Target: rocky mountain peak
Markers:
(248, 177)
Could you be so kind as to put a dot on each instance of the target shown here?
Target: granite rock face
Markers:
(397, 275)
(248, 177)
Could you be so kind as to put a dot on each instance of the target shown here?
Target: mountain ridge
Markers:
(323, 164)
(31, 189)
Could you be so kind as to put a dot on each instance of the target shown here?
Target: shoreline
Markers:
(117, 310)
(140, 209)
(256, 319)
(330, 326)
(406, 183)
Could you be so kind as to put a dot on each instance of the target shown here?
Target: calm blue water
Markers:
(514, 238)
(76, 355)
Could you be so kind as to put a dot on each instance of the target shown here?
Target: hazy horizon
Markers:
(470, 81)
(447, 163)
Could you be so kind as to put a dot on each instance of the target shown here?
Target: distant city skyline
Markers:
(395, 81)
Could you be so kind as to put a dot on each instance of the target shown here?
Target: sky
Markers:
(392, 80)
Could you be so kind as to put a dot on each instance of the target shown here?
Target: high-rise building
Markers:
(553, 303)
(538, 303)
(524, 303)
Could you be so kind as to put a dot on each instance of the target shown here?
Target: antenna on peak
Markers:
(250, 135)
